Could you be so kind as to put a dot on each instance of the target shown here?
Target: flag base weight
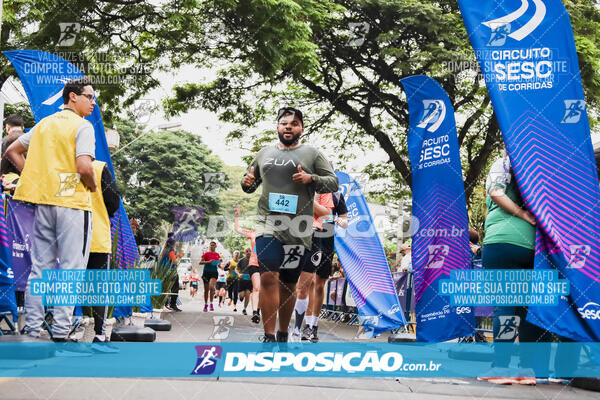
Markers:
(402, 337)
(130, 333)
(157, 324)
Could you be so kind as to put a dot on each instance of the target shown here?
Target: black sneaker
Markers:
(175, 308)
(313, 335)
(255, 317)
(282, 337)
(104, 347)
(244, 312)
(267, 338)
(306, 332)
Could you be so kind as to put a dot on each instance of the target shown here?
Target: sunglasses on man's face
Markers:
(289, 110)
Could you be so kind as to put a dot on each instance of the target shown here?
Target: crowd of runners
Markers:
(283, 271)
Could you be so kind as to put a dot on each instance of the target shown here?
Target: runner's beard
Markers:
(288, 142)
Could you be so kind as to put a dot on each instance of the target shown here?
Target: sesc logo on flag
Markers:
(434, 112)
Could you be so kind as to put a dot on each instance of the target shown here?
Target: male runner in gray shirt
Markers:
(290, 173)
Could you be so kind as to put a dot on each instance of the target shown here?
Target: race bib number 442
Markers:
(284, 203)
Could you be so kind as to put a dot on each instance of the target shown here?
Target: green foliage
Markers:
(21, 109)
(389, 246)
(347, 79)
(234, 195)
(478, 211)
(120, 43)
(168, 277)
(231, 198)
(234, 241)
(157, 171)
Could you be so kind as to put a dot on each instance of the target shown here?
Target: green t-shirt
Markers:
(500, 226)
(274, 168)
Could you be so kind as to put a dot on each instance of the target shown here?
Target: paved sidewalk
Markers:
(193, 325)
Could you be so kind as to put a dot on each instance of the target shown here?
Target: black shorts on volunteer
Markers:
(278, 257)
(244, 284)
(208, 275)
(321, 257)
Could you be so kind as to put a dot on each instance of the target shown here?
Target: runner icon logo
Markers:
(508, 327)
(293, 255)
(68, 184)
(213, 182)
(187, 221)
(366, 329)
(144, 109)
(207, 359)
(434, 112)
(222, 325)
(574, 109)
(437, 255)
(498, 34)
(359, 32)
(68, 33)
(579, 255)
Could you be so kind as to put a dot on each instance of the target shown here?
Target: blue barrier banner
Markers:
(19, 220)
(526, 52)
(43, 76)
(8, 302)
(440, 242)
(362, 256)
(343, 360)
(402, 281)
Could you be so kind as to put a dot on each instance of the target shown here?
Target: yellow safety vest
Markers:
(100, 221)
(50, 173)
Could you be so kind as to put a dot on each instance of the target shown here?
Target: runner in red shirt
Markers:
(210, 260)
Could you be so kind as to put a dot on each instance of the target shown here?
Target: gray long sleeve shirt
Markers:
(274, 168)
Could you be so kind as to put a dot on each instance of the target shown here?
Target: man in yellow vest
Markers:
(58, 177)
(105, 202)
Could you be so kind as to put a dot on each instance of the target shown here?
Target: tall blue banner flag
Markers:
(362, 256)
(8, 302)
(526, 52)
(43, 76)
(440, 242)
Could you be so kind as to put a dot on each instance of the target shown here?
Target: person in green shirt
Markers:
(509, 243)
(290, 173)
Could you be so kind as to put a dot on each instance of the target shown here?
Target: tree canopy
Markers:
(157, 171)
(343, 62)
(117, 43)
